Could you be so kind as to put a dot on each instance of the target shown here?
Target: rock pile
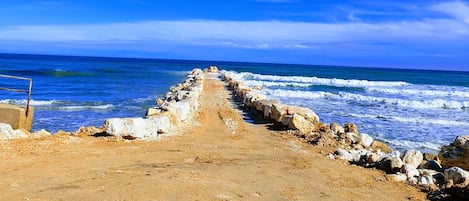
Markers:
(178, 106)
(456, 153)
(7, 132)
(422, 170)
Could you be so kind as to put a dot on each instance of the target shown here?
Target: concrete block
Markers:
(16, 116)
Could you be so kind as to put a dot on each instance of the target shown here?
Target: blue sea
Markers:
(405, 108)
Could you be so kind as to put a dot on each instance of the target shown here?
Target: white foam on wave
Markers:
(416, 120)
(446, 92)
(314, 80)
(56, 105)
(278, 84)
(32, 102)
(418, 104)
(85, 107)
(415, 145)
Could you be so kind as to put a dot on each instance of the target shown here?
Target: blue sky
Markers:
(404, 34)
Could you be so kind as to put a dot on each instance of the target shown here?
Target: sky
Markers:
(423, 34)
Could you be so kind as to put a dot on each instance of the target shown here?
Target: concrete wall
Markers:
(16, 116)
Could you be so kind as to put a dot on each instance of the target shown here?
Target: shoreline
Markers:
(294, 118)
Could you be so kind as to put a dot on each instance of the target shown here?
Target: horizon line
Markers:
(242, 62)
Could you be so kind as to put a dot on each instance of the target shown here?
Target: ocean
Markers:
(417, 109)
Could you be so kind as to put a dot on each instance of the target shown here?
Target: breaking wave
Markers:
(315, 80)
(415, 120)
(59, 105)
(418, 104)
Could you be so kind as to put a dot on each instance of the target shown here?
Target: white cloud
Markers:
(253, 34)
(457, 9)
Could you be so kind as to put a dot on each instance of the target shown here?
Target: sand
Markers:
(220, 156)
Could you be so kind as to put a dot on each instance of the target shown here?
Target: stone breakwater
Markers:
(423, 170)
(176, 108)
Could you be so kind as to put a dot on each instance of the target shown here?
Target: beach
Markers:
(219, 156)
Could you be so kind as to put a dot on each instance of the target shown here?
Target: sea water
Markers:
(405, 108)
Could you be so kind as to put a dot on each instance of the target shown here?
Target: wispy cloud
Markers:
(457, 9)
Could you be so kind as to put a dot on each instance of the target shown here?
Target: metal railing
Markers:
(20, 90)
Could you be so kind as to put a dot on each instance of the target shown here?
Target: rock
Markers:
(462, 142)
(212, 69)
(433, 165)
(365, 139)
(353, 137)
(456, 177)
(390, 164)
(337, 128)
(322, 139)
(153, 111)
(137, 127)
(372, 158)
(350, 127)
(413, 158)
(430, 156)
(323, 127)
(159, 101)
(410, 171)
(398, 177)
(7, 132)
(300, 123)
(277, 111)
(359, 156)
(377, 145)
(427, 182)
(88, 130)
(40, 133)
(344, 154)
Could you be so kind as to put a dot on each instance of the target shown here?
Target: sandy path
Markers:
(221, 157)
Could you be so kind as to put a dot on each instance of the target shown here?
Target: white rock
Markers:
(365, 139)
(412, 157)
(344, 154)
(410, 171)
(425, 180)
(6, 131)
(456, 176)
(135, 127)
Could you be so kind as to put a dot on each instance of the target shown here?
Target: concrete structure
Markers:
(16, 116)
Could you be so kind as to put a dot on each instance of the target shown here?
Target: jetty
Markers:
(195, 144)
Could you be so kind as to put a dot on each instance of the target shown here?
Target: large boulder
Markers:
(277, 111)
(344, 154)
(410, 171)
(137, 127)
(462, 142)
(390, 164)
(365, 139)
(412, 157)
(456, 177)
(298, 122)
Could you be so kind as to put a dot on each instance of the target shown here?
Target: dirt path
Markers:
(221, 157)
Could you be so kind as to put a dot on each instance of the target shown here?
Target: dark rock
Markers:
(350, 127)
